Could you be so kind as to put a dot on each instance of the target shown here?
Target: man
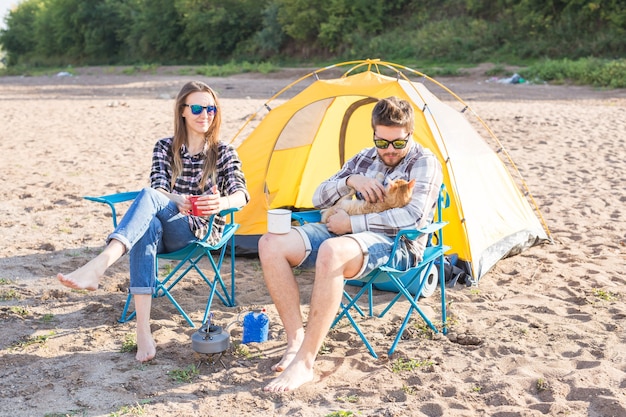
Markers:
(344, 246)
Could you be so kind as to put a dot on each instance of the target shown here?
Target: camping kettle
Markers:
(210, 338)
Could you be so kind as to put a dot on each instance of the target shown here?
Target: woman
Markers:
(192, 162)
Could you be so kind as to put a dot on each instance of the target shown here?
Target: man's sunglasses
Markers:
(196, 109)
(396, 143)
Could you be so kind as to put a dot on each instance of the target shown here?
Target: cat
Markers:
(398, 195)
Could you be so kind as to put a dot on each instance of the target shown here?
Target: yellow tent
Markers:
(306, 139)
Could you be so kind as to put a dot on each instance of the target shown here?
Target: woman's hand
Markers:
(183, 202)
(209, 204)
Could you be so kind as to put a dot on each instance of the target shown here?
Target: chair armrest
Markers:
(413, 234)
(226, 212)
(112, 199)
(426, 230)
(309, 216)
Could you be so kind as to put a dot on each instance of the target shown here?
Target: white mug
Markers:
(279, 221)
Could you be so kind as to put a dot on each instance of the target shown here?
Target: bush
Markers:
(589, 71)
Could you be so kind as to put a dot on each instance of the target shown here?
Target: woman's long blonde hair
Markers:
(180, 133)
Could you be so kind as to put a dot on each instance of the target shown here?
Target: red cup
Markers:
(194, 208)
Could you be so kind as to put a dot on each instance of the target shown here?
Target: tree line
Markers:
(198, 32)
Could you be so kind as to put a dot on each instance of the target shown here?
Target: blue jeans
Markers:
(152, 225)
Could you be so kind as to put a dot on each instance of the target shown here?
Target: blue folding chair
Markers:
(188, 259)
(408, 284)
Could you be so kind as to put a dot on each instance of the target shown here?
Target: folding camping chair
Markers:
(409, 284)
(188, 259)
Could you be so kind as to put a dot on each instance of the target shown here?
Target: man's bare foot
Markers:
(285, 361)
(146, 347)
(290, 353)
(294, 376)
(84, 278)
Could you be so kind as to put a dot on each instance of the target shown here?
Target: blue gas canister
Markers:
(255, 327)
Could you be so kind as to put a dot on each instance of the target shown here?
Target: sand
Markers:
(542, 334)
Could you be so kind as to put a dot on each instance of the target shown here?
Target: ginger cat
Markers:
(398, 195)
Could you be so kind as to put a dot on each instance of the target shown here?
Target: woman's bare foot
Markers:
(146, 346)
(294, 376)
(84, 278)
(87, 277)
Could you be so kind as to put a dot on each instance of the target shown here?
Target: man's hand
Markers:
(339, 223)
(370, 188)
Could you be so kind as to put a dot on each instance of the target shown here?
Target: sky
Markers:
(5, 6)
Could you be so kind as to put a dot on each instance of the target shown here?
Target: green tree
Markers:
(102, 22)
(156, 32)
(301, 19)
(213, 29)
(18, 39)
(58, 28)
(271, 38)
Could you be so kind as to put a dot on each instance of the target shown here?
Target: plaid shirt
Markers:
(419, 163)
(229, 178)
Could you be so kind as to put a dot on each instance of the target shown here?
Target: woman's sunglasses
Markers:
(196, 109)
(396, 143)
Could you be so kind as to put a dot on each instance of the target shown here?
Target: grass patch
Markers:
(141, 69)
(241, 350)
(184, 375)
(167, 269)
(9, 295)
(233, 67)
(349, 399)
(35, 71)
(32, 340)
(20, 311)
(588, 71)
(597, 72)
(129, 344)
(403, 365)
(324, 349)
(130, 410)
(542, 385)
(47, 318)
(71, 413)
(342, 413)
(423, 331)
(604, 294)
(497, 70)
(409, 390)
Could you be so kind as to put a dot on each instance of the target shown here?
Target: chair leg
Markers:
(185, 264)
(345, 311)
(361, 335)
(351, 303)
(125, 317)
(442, 286)
(414, 307)
(232, 271)
(227, 299)
(178, 307)
(418, 275)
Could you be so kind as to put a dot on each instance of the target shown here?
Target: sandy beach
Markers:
(544, 332)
